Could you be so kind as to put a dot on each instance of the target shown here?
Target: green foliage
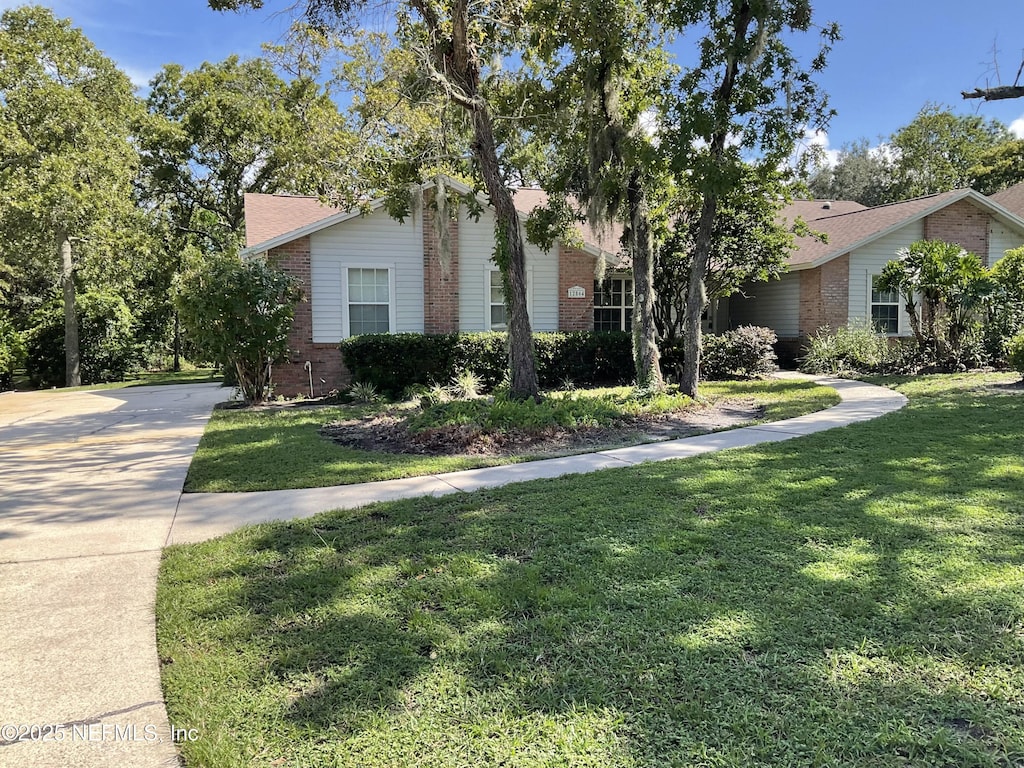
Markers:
(393, 362)
(364, 392)
(856, 348)
(570, 410)
(1005, 316)
(466, 384)
(938, 149)
(952, 285)
(106, 330)
(239, 314)
(1015, 353)
(12, 351)
(861, 173)
(999, 167)
(747, 352)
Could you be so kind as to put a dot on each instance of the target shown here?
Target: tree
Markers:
(217, 132)
(601, 94)
(747, 93)
(938, 149)
(861, 173)
(999, 167)
(66, 163)
(456, 42)
(951, 284)
(748, 245)
(239, 314)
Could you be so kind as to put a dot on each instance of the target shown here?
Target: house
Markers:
(366, 272)
(830, 282)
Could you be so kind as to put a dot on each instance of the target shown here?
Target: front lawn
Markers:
(851, 598)
(257, 450)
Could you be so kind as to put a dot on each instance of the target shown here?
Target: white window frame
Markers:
(624, 276)
(346, 312)
(490, 267)
(872, 277)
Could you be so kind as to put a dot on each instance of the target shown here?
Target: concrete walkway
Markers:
(90, 492)
(89, 482)
(206, 515)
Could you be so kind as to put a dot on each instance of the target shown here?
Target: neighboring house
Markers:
(365, 272)
(832, 283)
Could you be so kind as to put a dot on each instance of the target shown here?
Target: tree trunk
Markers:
(177, 342)
(696, 297)
(72, 361)
(646, 357)
(511, 259)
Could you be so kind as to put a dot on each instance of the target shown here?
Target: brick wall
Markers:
(440, 285)
(825, 296)
(575, 268)
(963, 224)
(291, 378)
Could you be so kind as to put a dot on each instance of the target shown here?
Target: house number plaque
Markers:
(577, 292)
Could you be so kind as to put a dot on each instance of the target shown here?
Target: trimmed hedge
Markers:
(397, 361)
(393, 362)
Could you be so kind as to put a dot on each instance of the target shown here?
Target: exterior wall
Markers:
(961, 223)
(440, 286)
(1000, 240)
(476, 249)
(377, 241)
(868, 261)
(824, 296)
(291, 378)
(575, 268)
(774, 305)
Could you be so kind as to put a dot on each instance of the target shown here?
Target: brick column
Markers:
(575, 268)
(825, 296)
(291, 378)
(440, 286)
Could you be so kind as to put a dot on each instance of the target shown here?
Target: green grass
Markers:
(246, 450)
(851, 598)
(140, 379)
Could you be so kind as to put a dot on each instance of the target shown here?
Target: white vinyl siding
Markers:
(775, 305)
(476, 252)
(869, 261)
(1000, 240)
(375, 241)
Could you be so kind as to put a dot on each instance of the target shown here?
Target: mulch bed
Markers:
(388, 434)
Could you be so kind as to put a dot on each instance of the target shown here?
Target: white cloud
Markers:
(140, 77)
(1017, 127)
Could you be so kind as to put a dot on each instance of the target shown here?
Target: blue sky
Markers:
(896, 55)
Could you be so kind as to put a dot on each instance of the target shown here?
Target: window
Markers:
(497, 315)
(613, 304)
(885, 309)
(369, 301)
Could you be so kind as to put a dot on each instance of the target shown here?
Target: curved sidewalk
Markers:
(203, 516)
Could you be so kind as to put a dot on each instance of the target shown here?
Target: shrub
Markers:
(239, 314)
(394, 362)
(857, 348)
(106, 335)
(1016, 353)
(748, 352)
(12, 352)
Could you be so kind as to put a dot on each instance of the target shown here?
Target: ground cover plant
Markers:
(851, 598)
(266, 449)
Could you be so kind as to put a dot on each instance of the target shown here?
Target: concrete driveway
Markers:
(89, 486)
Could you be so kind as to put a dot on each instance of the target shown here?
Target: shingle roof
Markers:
(270, 216)
(267, 216)
(1012, 199)
(858, 225)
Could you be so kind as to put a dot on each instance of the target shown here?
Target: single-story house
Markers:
(366, 272)
(830, 281)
